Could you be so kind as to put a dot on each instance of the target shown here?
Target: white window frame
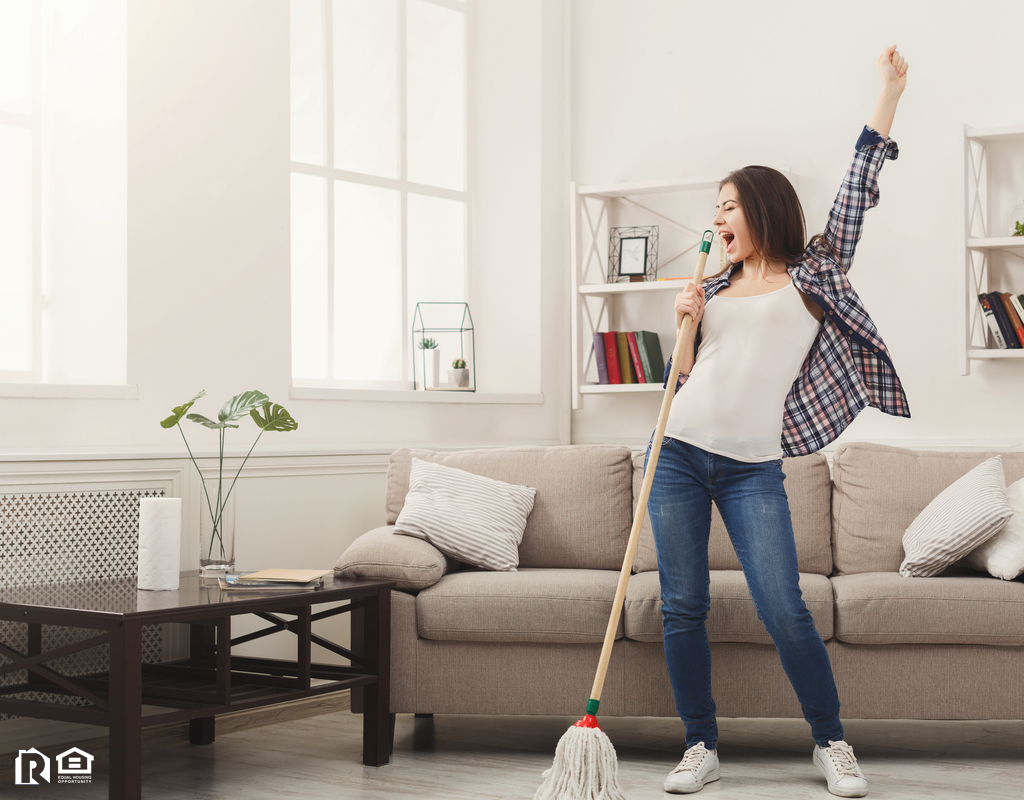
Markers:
(401, 184)
(34, 122)
(29, 384)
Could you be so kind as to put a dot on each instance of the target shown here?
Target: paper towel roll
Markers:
(159, 542)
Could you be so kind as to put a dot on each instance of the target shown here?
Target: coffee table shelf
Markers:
(210, 681)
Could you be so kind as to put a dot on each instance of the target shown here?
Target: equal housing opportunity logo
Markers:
(32, 768)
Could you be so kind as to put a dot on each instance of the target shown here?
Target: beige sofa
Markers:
(467, 641)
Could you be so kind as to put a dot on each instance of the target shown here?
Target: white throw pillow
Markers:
(469, 517)
(1002, 556)
(964, 515)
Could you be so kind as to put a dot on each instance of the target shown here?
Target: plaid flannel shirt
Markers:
(848, 367)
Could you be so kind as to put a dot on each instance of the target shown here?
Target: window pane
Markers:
(436, 255)
(366, 86)
(307, 81)
(436, 95)
(15, 249)
(368, 329)
(16, 56)
(309, 276)
(85, 192)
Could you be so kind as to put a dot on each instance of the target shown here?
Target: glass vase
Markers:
(216, 537)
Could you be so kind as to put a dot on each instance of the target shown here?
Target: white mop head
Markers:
(585, 768)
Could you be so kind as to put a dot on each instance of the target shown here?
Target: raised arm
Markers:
(859, 190)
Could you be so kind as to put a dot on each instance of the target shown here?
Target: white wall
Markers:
(668, 89)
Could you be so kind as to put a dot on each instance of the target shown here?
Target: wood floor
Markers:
(493, 758)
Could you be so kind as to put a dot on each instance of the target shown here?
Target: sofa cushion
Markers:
(965, 514)
(474, 519)
(732, 617)
(879, 490)
(809, 489)
(529, 605)
(886, 608)
(381, 555)
(582, 512)
(1002, 556)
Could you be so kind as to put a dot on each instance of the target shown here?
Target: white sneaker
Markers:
(699, 766)
(839, 766)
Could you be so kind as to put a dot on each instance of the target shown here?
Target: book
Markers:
(600, 359)
(1009, 336)
(1011, 315)
(991, 321)
(625, 362)
(611, 351)
(237, 582)
(1018, 304)
(650, 355)
(285, 575)
(634, 355)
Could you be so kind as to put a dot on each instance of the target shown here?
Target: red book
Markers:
(611, 351)
(634, 353)
(1011, 312)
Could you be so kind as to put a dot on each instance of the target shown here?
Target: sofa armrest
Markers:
(381, 554)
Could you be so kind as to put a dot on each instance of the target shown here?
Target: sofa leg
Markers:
(423, 740)
(392, 719)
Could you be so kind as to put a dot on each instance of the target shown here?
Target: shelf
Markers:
(623, 388)
(648, 187)
(996, 243)
(981, 352)
(985, 260)
(994, 134)
(640, 287)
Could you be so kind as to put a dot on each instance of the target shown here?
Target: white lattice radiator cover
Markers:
(74, 537)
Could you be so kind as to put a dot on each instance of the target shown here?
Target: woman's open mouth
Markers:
(729, 240)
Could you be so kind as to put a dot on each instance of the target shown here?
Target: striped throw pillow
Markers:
(965, 514)
(474, 519)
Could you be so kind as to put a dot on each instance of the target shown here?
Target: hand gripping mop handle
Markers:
(645, 491)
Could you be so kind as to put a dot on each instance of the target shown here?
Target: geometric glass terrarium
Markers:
(444, 347)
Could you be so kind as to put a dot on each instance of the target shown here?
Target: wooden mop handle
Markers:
(645, 489)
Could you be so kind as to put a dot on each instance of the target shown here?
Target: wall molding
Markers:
(36, 481)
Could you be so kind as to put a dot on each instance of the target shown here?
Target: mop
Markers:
(585, 767)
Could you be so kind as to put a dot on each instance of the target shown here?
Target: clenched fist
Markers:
(892, 68)
(690, 301)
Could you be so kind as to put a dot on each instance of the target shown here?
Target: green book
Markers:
(650, 356)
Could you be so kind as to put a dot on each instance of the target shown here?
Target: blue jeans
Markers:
(755, 509)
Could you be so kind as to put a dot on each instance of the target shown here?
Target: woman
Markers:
(779, 364)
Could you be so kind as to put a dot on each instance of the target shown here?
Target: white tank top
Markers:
(751, 351)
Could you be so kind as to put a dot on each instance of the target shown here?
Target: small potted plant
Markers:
(458, 375)
(432, 365)
(1016, 225)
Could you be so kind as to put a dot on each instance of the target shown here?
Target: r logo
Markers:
(28, 765)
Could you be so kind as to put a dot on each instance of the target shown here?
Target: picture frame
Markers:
(633, 254)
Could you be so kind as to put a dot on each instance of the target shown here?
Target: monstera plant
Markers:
(218, 552)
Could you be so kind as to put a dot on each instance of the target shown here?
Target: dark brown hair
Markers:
(775, 218)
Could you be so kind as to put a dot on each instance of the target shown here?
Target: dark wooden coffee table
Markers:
(210, 681)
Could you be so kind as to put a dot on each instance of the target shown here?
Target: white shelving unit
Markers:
(595, 302)
(979, 245)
